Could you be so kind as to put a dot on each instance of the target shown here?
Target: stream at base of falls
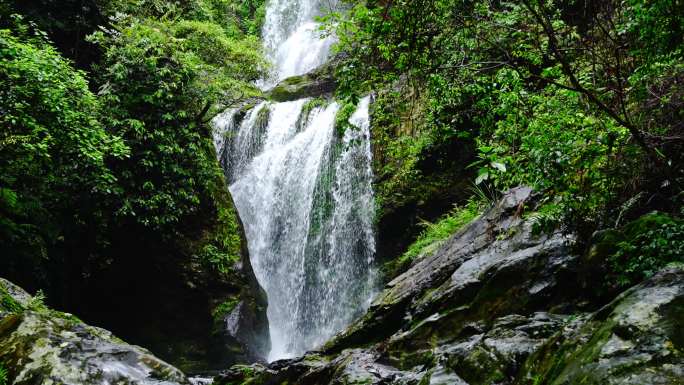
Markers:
(303, 191)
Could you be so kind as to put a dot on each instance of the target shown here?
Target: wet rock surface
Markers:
(47, 347)
(494, 266)
(499, 304)
(636, 339)
(318, 83)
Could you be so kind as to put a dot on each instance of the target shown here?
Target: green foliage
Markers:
(304, 115)
(234, 56)
(656, 26)
(161, 82)
(54, 178)
(312, 104)
(66, 22)
(224, 309)
(3, 375)
(547, 217)
(37, 303)
(82, 174)
(236, 17)
(580, 105)
(550, 141)
(645, 246)
(415, 162)
(435, 234)
(342, 117)
(249, 14)
(222, 246)
(8, 303)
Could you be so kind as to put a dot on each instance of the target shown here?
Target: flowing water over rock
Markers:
(304, 193)
(292, 40)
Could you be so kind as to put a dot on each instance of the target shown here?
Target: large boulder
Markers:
(496, 265)
(42, 346)
(636, 339)
(317, 83)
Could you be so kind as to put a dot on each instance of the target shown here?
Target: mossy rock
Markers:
(39, 345)
(318, 83)
(636, 339)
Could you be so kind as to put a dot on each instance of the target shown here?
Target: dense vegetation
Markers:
(582, 100)
(115, 159)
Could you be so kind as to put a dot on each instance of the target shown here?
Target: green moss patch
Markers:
(224, 309)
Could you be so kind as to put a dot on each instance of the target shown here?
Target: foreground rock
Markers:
(499, 304)
(636, 339)
(41, 346)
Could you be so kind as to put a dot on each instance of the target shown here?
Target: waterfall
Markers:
(303, 191)
(291, 38)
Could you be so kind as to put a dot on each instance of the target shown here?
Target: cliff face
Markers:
(198, 315)
(191, 299)
(499, 304)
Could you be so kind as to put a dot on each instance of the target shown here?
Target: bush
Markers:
(54, 180)
(581, 101)
(645, 246)
(161, 83)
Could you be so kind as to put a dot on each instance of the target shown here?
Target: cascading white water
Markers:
(304, 193)
(305, 197)
(292, 41)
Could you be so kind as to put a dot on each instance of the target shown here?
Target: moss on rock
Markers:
(317, 83)
(39, 345)
(636, 339)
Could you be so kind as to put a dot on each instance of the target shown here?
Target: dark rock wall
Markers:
(164, 296)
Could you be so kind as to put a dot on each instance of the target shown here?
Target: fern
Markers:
(3, 375)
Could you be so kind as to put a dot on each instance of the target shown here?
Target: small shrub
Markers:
(547, 217)
(645, 246)
(342, 118)
(37, 303)
(224, 309)
(8, 303)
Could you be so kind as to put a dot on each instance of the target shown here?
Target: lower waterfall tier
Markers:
(304, 192)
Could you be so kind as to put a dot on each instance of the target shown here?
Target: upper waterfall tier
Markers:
(292, 40)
